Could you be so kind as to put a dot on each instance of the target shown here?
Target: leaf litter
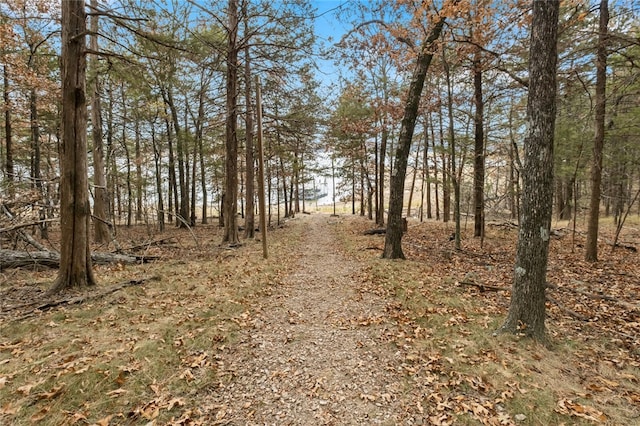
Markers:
(324, 333)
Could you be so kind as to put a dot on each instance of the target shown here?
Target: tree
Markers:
(591, 246)
(393, 236)
(75, 257)
(249, 224)
(231, 133)
(527, 309)
(8, 133)
(101, 199)
(478, 158)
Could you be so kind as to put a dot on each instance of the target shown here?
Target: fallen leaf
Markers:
(26, 389)
(117, 392)
(78, 417)
(40, 415)
(175, 401)
(221, 414)
(10, 409)
(54, 392)
(105, 420)
(571, 408)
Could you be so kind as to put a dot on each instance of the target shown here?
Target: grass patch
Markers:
(141, 354)
(469, 375)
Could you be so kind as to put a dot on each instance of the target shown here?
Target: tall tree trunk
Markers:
(514, 170)
(203, 179)
(111, 161)
(284, 190)
(183, 209)
(426, 177)
(173, 184)
(75, 257)
(194, 168)
(436, 186)
(511, 185)
(36, 176)
(127, 154)
(8, 133)
(376, 177)
(157, 156)
(395, 228)
(381, 168)
(591, 246)
(295, 180)
(353, 186)
(249, 221)
(138, 160)
(453, 176)
(527, 309)
(36, 173)
(413, 181)
(197, 143)
(231, 131)
(478, 164)
(101, 199)
(446, 175)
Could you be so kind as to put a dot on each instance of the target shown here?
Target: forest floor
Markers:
(323, 332)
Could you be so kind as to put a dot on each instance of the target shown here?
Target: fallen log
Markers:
(566, 310)
(50, 302)
(596, 296)
(25, 225)
(376, 231)
(17, 259)
(484, 287)
(162, 241)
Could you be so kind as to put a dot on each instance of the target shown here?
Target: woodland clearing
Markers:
(322, 332)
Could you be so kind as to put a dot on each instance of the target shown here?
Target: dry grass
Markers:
(589, 375)
(140, 354)
(150, 353)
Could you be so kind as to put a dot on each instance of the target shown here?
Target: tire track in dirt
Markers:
(316, 353)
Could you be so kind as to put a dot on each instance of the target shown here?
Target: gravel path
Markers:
(316, 353)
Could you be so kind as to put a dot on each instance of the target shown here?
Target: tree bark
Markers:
(446, 174)
(36, 173)
(101, 200)
(8, 133)
(158, 164)
(478, 164)
(413, 181)
(125, 147)
(393, 237)
(172, 184)
(591, 246)
(138, 160)
(231, 131)
(435, 173)
(249, 222)
(50, 259)
(527, 308)
(75, 258)
(181, 152)
(203, 179)
(381, 169)
(454, 176)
